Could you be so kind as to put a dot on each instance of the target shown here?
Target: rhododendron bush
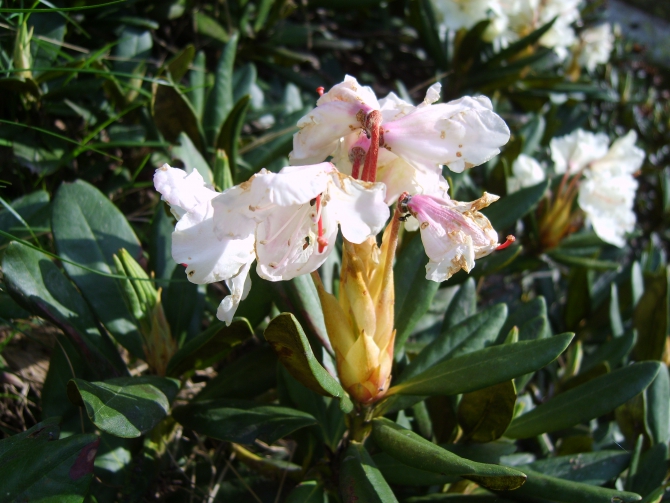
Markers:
(332, 252)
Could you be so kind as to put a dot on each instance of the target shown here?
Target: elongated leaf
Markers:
(593, 468)
(611, 352)
(485, 414)
(58, 470)
(127, 406)
(88, 229)
(586, 262)
(402, 474)
(587, 401)
(658, 407)
(173, 114)
(555, 489)
(229, 135)
(39, 286)
(520, 45)
(462, 306)
(651, 470)
(485, 367)
(509, 209)
(211, 345)
(307, 492)
(44, 431)
(361, 480)
(413, 292)
(178, 65)
(420, 453)
(470, 335)
(241, 421)
(197, 80)
(220, 99)
(651, 317)
(246, 377)
(193, 160)
(31, 208)
(287, 338)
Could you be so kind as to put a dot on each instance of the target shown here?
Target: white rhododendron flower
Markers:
(207, 258)
(457, 14)
(607, 192)
(454, 234)
(526, 172)
(595, 46)
(460, 134)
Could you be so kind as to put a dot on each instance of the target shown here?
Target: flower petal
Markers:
(576, 150)
(239, 287)
(184, 192)
(622, 158)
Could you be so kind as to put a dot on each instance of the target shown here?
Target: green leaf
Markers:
(197, 79)
(32, 208)
(584, 402)
(49, 471)
(420, 453)
(180, 303)
(651, 470)
(462, 305)
(586, 262)
(88, 229)
(361, 480)
(484, 415)
(422, 17)
(241, 421)
(505, 212)
(210, 27)
(173, 114)
(556, 489)
(612, 352)
(125, 407)
(488, 265)
(402, 474)
(44, 431)
(593, 468)
(247, 376)
(519, 45)
(160, 247)
(456, 498)
(413, 292)
(223, 177)
(309, 491)
(287, 338)
(522, 314)
(210, 346)
(651, 316)
(229, 135)
(39, 286)
(178, 65)
(485, 367)
(220, 99)
(658, 410)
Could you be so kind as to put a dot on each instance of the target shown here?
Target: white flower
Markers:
(454, 234)
(460, 134)
(457, 14)
(296, 213)
(526, 172)
(575, 151)
(608, 204)
(595, 46)
(195, 245)
(623, 157)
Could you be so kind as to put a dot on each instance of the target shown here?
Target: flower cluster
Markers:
(511, 20)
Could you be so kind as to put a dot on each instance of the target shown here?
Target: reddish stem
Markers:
(510, 239)
(372, 123)
(356, 155)
(321, 241)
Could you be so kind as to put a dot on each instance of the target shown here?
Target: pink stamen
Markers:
(321, 240)
(510, 239)
(185, 265)
(356, 155)
(320, 90)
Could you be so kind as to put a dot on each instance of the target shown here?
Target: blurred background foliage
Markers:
(95, 97)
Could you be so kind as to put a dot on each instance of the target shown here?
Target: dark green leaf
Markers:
(31, 208)
(523, 313)
(652, 469)
(361, 480)
(160, 247)
(593, 468)
(307, 492)
(241, 421)
(126, 406)
(651, 316)
(401, 474)
(192, 159)
(58, 470)
(44, 431)
(229, 135)
(587, 401)
(417, 452)
(287, 338)
(462, 306)
(488, 265)
(612, 352)
(39, 286)
(211, 345)
(210, 27)
(173, 114)
(413, 292)
(555, 489)
(484, 367)
(178, 65)
(245, 377)
(220, 99)
(88, 229)
(180, 303)
(197, 81)
(485, 414)
(505, 212)
(586, 262)
(658, 407)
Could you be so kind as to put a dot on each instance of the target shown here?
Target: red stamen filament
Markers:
(356, 155)
(509, 241)
(372, 124)
(321, 240)
(320, 90)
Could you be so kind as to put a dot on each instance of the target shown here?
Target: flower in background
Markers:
(526, 172)
(595, 46)
(602, 181)
(457, 14)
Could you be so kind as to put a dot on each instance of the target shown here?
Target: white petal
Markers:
(526, 172)
(622, 158)
(350, 91)
(357, 206)
(576, 150)
(183, 192)
(239, 287)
